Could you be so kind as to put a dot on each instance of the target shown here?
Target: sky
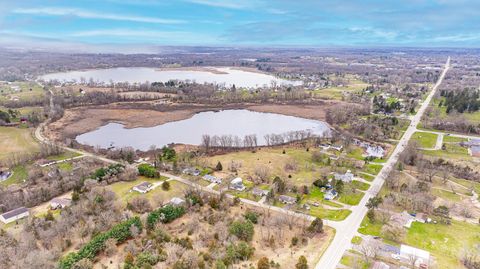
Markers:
(300, 23)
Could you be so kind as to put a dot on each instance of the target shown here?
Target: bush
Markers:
(263, 263)
(302, 263)
(121, 232)
(219, 166)
(316, 226)
(166, 186)
(164, 214)
(147, 170)
(252, 217)
(242, 251)
(242, 229)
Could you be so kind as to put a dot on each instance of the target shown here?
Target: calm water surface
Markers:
(189, 131)
(142, 74)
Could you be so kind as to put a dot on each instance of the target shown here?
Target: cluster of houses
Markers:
(23, 212)
(371, 150)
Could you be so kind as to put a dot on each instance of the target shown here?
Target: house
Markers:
(337, 147)
(422, 218)
(375, 151)
(4, 174)
(175, 201)
(325, 146)
(259, 192)
(419, 256)
(212, 179)
(191, 171)
(347, 177)
(14, 215)
(403, 219)
(330, 194)
(237, 184)
(287, 199)
(143, 187)
(59, 203)
(380, 265)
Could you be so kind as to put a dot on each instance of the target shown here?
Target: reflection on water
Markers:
(228, 77)
(189, 131)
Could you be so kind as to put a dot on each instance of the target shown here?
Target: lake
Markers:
(227, 76)
(190, 131)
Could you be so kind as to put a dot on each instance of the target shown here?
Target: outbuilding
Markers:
(14, 215)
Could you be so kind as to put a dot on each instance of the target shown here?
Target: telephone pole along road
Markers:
(346, 229)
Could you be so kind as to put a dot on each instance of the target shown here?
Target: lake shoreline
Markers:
(85, 119)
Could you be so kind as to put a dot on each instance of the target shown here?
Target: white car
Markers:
(395, 256)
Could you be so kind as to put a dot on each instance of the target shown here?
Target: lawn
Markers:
(369, 228)
(360, 185)
(366, 177)
(316, 195)
(371, 168)
(353, 261)
(453, 139)
(66, 155)
(425, 140)
(351, 198)
(329, 214)
(447, 195)
(452, 150)
(123, 189)
(468, 184)
(20, 174)
(446, 242)
(16, 141)
(357, 240)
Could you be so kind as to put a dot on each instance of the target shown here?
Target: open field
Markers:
(425, 140)
(16, 141)
(445, 242)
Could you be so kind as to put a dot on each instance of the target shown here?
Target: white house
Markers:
(175, 201)
(212, 179)
(420, 256)
(14, 215)
(59, 203)
(330, 195)
(347, 177)
(237, 184)
(287, 199)
(143, 187)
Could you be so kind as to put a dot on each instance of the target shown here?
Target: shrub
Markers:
(164, 214)
(302, 263)
(147, 170)
(316, 226)
(242, 229)
(241, 251)
(166, 186)
(252, 217)
(121, 232)
(263, 263)
(219, 166)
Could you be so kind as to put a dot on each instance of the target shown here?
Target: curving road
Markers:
(347, 229)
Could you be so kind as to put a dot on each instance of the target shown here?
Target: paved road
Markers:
(347, 228)
(450, 134)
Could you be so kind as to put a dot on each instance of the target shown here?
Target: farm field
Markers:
(16, 141)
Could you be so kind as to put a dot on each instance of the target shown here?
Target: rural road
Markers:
(347, 229)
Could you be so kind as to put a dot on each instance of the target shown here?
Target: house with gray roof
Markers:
(289, 200)
(14, 215)
(347, 177)
(212, 179)
(143, 187)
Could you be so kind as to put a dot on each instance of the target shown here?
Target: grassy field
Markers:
(445, 242)
(425, 140)
(329, 214)
(453, 139)
(451, 151)
(124, 190)
(371, 168)
(303, 173)
(27, 91)
(468, 183)
(353, 85)
(360, 185)
(369, 228)
(353, 261)
(447, 195)
(366, 177)
(16, 141)
(351, 198)
(20, 174)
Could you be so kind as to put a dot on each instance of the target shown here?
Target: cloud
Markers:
(222, 3)
(56, 11)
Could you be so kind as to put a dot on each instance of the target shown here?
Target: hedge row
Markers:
(121, 232)
(164, 214)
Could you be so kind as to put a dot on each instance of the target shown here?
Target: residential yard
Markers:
(26, 91)
(425, 140)
(447, 195)
(329, 214)
(20, 173)
(16, 141)
(445, 242)
(125, 193)
(373, 169)
(360, 185)
(352, 198)
(369, 228)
